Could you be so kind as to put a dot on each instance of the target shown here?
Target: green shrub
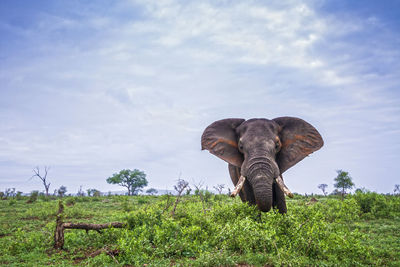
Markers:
(70, 201)
(306, 234)
(222, 233)
(43, 197)
(23, 242)
(142, 200)
(33, 196)
(127, 206)
(19, 196)
(374, 205)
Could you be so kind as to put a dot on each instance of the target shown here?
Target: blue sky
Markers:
(90, 88)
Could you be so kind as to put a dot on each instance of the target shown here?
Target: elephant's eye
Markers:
(240, 146)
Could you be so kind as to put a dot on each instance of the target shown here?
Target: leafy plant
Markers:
(33, 196)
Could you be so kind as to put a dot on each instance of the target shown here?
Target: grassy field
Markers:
(212, 230)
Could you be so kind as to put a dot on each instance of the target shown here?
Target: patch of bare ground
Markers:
(91, 254)
(247, 265)
(3, 235)
(30, 218)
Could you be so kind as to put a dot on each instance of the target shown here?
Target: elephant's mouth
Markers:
(278, 180)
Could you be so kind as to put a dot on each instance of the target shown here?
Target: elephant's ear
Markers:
(298, 138)
(220, 139)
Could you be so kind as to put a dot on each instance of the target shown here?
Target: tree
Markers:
(343, 181)
(134, 180)
(180, 186)
(219, 188)
(151, 191)
(61, 191)
(396, 189)
(92, 192)
(80, 192)
(43, 178)
(323, 187)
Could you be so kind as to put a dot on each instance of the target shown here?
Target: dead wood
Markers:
(60, 226)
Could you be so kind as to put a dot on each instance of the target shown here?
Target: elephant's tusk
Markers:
(238, 186)
(283, 187)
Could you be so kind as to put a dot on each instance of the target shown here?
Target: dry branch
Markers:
(43, 178)
(60, 226)
(179, 187)
(93, 226)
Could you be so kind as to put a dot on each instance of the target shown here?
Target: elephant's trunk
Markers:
(261, 175)
(262, 188)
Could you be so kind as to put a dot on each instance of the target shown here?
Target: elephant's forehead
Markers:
(258, 127)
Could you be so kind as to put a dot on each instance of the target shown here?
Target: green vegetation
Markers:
(212, 230)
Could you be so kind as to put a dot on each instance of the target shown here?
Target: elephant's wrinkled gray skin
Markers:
(261, 150)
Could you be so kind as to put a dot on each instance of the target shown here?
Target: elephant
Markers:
(258, 152)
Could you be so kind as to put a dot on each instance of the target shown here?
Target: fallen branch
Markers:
(93, 226)
(60, 226)
(109, 252)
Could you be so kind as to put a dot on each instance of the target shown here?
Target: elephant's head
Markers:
(262, 149)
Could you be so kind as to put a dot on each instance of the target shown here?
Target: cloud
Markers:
(93, 92)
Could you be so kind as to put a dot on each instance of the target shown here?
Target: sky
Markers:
(93, 87)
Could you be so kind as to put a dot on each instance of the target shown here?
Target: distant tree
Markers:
(134, 180)
(151, 191)
(61, 191)
(80, 192)
(96, 193)
(9, 192)
(323, 188)
(219, 188)
(180, 186)
(396, 189)
(43, 178)
(201, 193)
(361, 190)
(91, 192)
(343, 182)
(188, 190)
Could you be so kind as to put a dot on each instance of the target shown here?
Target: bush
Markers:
(33, 197)
(70, 201)
(43, 197)
(374, 205)
(19, 196)
(306, 234)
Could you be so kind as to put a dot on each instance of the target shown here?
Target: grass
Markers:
(360, 231)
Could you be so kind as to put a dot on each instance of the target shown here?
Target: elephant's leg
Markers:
(278, 200)
(246, 194)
